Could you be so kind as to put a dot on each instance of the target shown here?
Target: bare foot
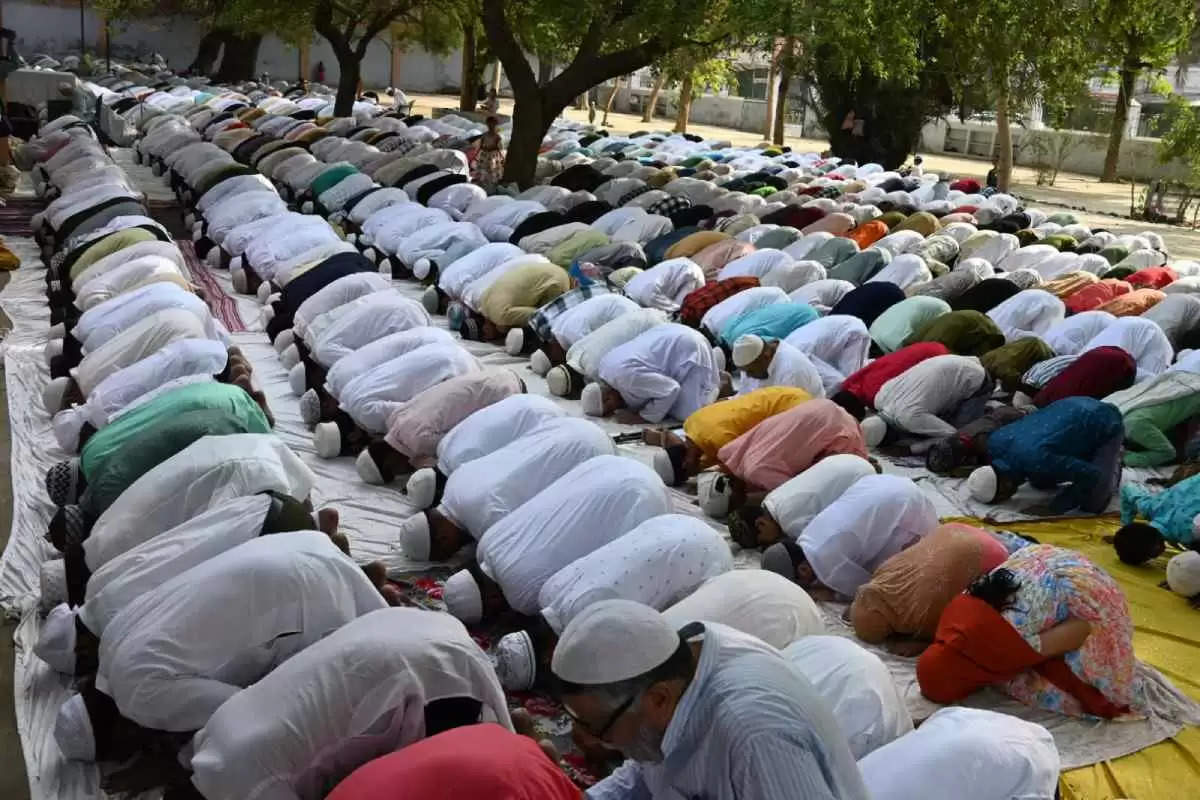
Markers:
(340, 541)
(522, 722)
(327, 520)
(376, 572)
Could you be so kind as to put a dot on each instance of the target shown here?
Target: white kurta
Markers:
(104, 321)
(799, 500)
(135, 343)
(130, 575)
(664, 285)
(344, 290)
(371, 397)
(473, 292)
(758, 602)
(356, 695)
(482, 492)
(380, 351)
(239, 210)
(669, 370)
(1068, 337)
(172, 657)
(374, 316)
(1142, 339)
(206, 474)
(916, 399)
(167, 250)
(267, 253)
(658, 563)
(966, 752)
(179, 359)
(454, 277)
(1176, 315)
(131, 275)
(1028, 313)
(643, 228)
(593, 504)
(872, 520)
(822, 294)
(585, 355)
(790, 367)
(907, 269)
(578, 321)
(493, 427)
(741, 303)
(859, 689)
(756, 264)
(840, 340)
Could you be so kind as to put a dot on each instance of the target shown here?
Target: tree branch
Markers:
(583, 73)
(504, 42)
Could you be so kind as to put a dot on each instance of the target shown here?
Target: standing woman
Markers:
(489, 163)
(1047, 627)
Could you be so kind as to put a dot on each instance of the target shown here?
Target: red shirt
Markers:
(865, 383)
(1097, 373)
(699, 301)
(1096, 295)
(475, 761)
(1152, 277)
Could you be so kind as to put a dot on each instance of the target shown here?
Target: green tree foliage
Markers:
(596, 40)
(1136, 36)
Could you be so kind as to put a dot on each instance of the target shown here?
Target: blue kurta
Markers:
(1055, 445)
(770, 322)
(1171, 511)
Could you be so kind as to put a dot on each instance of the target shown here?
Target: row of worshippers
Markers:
(601, 309)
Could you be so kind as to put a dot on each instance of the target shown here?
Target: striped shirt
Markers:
(540, 322)
(749, 727)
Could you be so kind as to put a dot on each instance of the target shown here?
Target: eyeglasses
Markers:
(612, 720)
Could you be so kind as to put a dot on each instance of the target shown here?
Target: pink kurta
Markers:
(781, 447)
(415, 428)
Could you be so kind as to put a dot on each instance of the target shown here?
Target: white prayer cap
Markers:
(264, 292)
(327, 440)
(372, 255)
(514, 342)
(73, 730)
(516, 664)
(719, 357)
(982, 484)
(274, 297)
(284, 340)
(746, 349)
(268, 313)
(421, 267)
(558, 381)
(592, 400)
(367, 469)
(310, 406)
(462, 596)
(197, 231)
(1183, 573)
(1021, 400)
(422, 487)
(237, 276)
(664, 467)
(56, 642)
(57, 330)
(213, 259)
(297, 378)
(307, 207)
(713, 490)
(414, 537)
(539, 362)
(613, 640)
(54, 347)
(873, 430)
(365, 240)
(52, 395)
(237, 263)
(189, 219)
(53, 583)
(429, 299)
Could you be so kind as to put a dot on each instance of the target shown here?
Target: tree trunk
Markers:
(608, 105)
(772, 76)
(785, 85)
(1004, 163)
(545, 70)
(466, 93)
(685, 105)
(207, 53)
(530, 123)
(349, 72)
(1116, 134)
(240, 58)
(652, 104)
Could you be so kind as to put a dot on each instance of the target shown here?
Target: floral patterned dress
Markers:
(1057, 584)
(489, 164)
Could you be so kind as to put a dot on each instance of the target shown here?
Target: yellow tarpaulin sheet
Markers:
(1166, 636)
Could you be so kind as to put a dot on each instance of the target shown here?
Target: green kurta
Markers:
(965, 333)
(139, 440)
(1009, 362)
(1149, 428)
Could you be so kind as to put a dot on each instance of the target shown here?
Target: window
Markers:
(752, 83)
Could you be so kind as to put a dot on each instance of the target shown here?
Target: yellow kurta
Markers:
(715, 425)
